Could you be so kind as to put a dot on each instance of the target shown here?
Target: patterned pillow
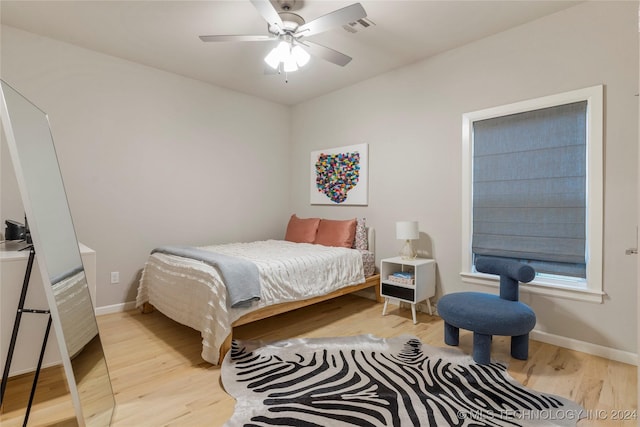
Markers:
(361, 239)
(368, 261)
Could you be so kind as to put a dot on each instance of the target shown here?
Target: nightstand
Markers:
(420, 287)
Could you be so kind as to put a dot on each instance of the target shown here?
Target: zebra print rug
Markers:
(370, 381)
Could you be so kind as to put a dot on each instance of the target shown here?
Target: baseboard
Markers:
(115, 308)
(586, 347)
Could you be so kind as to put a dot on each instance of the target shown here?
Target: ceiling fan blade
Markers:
(326, 53)
(236, 38)
(268, 12)
(334, 19)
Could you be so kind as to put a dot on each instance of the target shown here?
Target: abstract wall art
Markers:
(339, 176)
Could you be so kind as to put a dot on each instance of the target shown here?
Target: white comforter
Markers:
(192, 292)
(75, 311)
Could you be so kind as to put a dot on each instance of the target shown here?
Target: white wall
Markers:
(412, 120)
(148, 157)
(141, 149)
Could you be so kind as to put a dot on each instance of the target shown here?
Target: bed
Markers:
(312, 264)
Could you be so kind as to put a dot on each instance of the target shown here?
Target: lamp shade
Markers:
(407, 230)
(273, 59)
(301, 55)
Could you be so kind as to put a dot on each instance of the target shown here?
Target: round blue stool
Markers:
(487, 315)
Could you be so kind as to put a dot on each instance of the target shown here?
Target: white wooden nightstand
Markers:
(421, 287)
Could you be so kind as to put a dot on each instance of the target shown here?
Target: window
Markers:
(532, 191)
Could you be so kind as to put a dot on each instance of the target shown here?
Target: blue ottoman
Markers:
(487, 315)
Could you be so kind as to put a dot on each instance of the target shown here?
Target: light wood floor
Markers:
(159, 378)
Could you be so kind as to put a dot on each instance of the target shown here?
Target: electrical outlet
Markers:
(115, 277)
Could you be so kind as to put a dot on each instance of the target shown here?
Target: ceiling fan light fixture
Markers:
(301, 56)
(273, 59)
(290, 64)
(278, 54)
(291, 57)
(284, 50)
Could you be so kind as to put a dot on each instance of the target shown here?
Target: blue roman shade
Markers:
(529, 188)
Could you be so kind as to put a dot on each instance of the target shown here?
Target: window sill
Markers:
(538, 287)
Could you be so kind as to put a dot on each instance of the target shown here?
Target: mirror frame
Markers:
(36, 236)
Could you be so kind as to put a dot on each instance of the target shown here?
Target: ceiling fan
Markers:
(291, 30)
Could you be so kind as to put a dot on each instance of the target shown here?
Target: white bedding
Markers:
(192, 292)
(75, 311)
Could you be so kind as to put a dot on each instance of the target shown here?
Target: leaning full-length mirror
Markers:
(54, 239)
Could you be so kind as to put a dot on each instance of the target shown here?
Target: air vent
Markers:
(359, 25)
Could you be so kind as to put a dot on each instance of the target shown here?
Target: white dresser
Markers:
(13, 264)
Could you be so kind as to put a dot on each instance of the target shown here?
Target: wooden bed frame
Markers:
(274, 310)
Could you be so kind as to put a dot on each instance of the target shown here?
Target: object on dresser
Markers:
(14, 230)
(402, 278)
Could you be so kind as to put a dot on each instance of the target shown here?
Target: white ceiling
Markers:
(164, 35)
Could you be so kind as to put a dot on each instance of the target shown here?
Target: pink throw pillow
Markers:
(336, 233)
(301, 230)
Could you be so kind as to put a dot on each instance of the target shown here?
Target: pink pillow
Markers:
(301, 230)
(336, 233)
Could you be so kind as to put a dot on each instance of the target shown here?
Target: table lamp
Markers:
(407, 231)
